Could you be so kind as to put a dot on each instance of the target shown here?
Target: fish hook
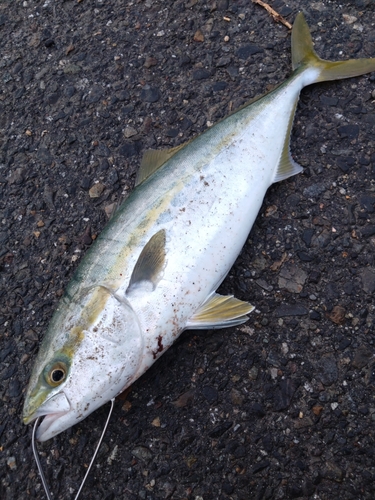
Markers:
(39, 465)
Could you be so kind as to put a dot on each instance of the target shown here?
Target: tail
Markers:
(303, 54)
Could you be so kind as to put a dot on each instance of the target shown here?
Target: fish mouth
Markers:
(56, 407)
(47, 429)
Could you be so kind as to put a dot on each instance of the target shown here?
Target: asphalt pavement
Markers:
(281, 407)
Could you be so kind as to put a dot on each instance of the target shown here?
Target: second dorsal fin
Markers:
(153, 159)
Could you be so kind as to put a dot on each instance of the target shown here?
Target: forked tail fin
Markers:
(303, 54)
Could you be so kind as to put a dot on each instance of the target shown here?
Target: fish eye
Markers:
(57, 374)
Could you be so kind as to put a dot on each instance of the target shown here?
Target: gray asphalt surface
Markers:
(282, 407)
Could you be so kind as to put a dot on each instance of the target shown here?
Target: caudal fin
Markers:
(303, 54)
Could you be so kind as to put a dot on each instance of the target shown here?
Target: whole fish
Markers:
(155, 268)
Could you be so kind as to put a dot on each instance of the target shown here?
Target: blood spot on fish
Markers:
(160, 347)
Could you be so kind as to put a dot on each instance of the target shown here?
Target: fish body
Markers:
(155, 268)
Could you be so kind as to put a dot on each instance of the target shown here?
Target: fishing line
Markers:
(36, 456)
(39, 465)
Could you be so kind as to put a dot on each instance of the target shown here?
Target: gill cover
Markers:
(99, 359)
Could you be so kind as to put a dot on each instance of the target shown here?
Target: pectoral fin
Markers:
(220, 312)
(150, 263)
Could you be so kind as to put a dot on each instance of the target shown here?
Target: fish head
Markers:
(88, 357)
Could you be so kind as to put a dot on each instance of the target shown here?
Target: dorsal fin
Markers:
(150, 263)
(220, 312)
(153, 159)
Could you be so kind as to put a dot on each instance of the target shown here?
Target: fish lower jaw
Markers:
(47, 429)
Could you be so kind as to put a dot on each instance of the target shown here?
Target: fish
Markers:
(155, 268)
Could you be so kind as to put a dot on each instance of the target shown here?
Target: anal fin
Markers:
(287, 166)
(220, 312)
